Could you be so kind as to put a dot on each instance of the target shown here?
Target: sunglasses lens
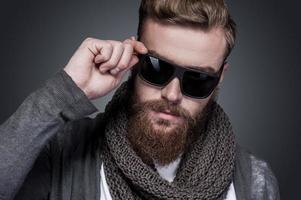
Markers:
(198, 85)
(193, 84)
(156, 71)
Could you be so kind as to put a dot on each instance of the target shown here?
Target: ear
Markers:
(226, 67)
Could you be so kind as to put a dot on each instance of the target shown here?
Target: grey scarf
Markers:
(205, 172)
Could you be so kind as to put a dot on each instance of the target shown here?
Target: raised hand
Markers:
(98, 66)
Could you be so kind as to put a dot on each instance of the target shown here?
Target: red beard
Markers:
(165, 143)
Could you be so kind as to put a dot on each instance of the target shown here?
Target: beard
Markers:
(159, 140)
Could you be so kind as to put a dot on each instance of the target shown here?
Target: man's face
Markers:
(185, 47)
(164, 119)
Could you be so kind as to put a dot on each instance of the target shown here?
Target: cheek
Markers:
(194, 107)
(145, 92)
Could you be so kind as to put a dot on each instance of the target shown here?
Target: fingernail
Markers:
(102, 70)
(114, 71)
(146, 50)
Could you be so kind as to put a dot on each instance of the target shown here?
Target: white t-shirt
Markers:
(167, 172)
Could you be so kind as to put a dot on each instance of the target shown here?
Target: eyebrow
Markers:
(207, 69)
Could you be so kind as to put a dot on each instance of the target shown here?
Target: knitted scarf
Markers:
(205, 172)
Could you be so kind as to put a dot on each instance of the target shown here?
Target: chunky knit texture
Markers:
(205, 172)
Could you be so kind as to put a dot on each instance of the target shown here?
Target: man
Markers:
(162, 136)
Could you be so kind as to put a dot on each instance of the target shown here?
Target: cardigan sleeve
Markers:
(37, 185)
(26, 133)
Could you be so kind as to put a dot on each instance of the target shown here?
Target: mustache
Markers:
(162, 106)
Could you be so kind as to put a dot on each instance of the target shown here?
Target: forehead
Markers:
(185, 46)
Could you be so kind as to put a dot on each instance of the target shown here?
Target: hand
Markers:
(98, 66)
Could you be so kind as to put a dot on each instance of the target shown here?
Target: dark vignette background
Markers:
(261, 91)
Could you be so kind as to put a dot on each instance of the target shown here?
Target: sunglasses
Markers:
(194, 83)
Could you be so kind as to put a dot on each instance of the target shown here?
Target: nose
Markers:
(172, 92)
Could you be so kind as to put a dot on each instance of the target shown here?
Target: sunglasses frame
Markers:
(179, 73)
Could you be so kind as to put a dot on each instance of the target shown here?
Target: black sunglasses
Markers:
(193, 83)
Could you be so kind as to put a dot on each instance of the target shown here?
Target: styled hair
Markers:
(203, 14)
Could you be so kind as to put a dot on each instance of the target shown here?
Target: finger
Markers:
(91, 47)
(104, 54)
(138, 46)
(125, 59)
(94, 45)
(99, 58)
(116, 55)
(134, 60)
(122, 73)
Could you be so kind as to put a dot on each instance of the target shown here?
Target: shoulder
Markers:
(255, 176)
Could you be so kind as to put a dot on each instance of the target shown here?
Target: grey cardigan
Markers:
(50, 150)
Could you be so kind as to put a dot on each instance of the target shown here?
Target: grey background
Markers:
(261, 91)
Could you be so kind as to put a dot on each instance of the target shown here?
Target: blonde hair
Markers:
(203, 14)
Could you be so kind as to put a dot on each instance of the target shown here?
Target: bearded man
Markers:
(162, 136)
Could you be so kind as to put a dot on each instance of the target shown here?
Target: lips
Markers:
(167, 115)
